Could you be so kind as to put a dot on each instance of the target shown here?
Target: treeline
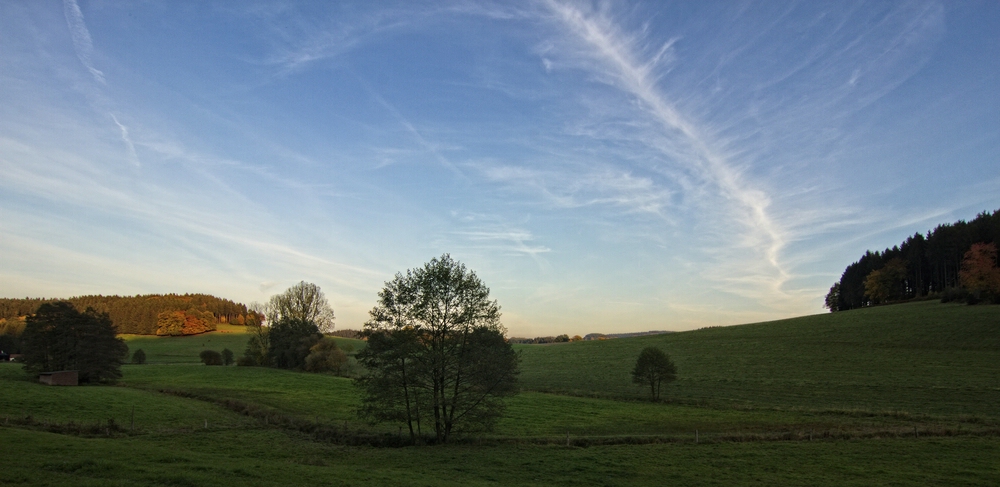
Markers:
(542, 340)
(151, 314)
(607, 336)
(923, 265)
(576, 338)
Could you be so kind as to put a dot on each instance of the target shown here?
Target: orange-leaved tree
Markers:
(980, 274)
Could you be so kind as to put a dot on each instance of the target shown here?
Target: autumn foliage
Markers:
(887, 283)
(980, 274)
(141, 314)
(190, 322)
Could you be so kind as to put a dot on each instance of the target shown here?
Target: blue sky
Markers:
(603, 167)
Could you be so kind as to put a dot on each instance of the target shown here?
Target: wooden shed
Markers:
(60, 378)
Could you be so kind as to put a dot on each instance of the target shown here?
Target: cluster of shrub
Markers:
(211, 357)
(293, 343)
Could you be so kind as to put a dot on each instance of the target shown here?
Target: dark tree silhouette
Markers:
(58, 337)
(227, 356)
(210, 357)
(653, 368)
(290, 340)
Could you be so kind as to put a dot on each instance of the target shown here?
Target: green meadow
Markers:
(893, 395)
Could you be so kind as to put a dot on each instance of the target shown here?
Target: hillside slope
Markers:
(921, 358)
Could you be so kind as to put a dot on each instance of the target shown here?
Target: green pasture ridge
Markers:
(918, 358)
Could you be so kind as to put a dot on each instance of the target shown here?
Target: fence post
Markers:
(696, 436)
(131, 425)
(567, 438)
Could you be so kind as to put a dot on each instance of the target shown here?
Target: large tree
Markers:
(653, 368)
(303, 301)
(436, 354)
(58, 337)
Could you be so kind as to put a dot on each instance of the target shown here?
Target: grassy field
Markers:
(919, 358)
(185, 349)
(900, 395)
(271, 457)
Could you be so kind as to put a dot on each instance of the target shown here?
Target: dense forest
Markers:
(152, 314)
(923, 265)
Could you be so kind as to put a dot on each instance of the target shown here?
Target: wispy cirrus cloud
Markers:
(129, 146)
(585, 185)
(298, 41)
(513, 241)
(82, 43)
(615, 58)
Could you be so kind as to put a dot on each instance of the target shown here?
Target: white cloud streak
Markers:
(133, 157)
(620, 66)
(81, 38)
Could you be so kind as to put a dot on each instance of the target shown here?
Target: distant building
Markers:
(60, 378)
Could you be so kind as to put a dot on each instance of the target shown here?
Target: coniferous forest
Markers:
(923, 265)
(151, 314)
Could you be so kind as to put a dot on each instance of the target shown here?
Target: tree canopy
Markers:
(304, 302)
(58, 337)
(436, 356)
(653, 368)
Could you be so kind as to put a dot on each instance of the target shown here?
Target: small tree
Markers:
(832, 301)
(653, 368)
(58, 337)
(259, 341)
(139, 357)
(227, 356)
(303, 301)
(210, 357)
